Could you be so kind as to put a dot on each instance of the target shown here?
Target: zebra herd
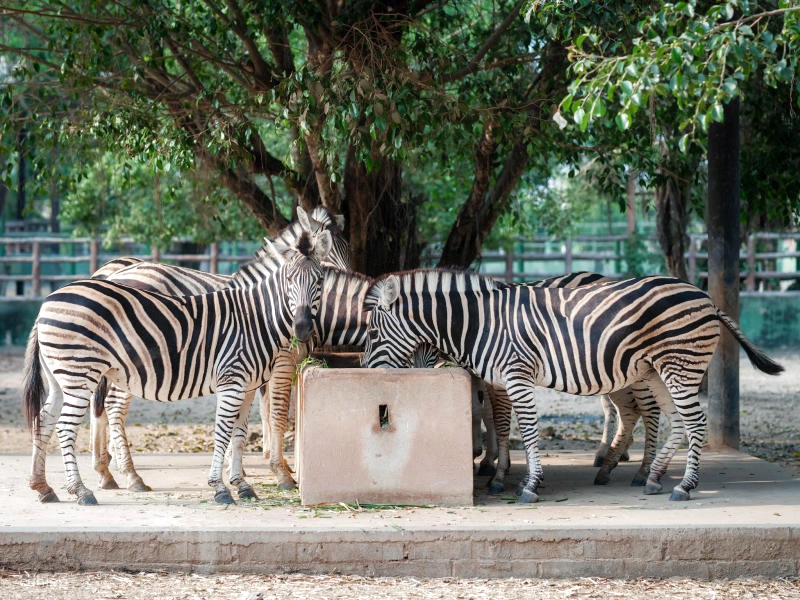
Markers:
(166, 333)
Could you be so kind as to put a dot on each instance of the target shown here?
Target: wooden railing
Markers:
(38, 264)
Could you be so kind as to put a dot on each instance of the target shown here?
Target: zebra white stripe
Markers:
(166, 348)
(585, 340)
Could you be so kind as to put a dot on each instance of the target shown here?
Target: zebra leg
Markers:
(501, 411)
(73, 412)
(100, 454)
(118, 402)
(263, 411)
(627, 415)
(608, 423)
(478, 401)
(229, 404)
(659, 466)
(651, 414)
(487, 466)
(694, 420)
(521, 392)
(236, 473)
(48, 414)
(280, 390)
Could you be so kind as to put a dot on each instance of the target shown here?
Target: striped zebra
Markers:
(179, 281)
(628, 403)
(166, 348)
(587, 340)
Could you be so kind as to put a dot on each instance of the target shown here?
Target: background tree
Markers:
(351, 105)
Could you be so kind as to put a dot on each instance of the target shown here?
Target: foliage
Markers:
(117, 196)
(697, 54)
(290, 102)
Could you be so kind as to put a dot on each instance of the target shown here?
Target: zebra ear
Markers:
(382, 293)
(390, 291)
(302, 217)
(323, 242)
(339, 221)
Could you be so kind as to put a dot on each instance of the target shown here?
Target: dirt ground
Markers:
(770, 429)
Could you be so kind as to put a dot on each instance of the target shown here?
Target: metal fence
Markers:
(32, 266)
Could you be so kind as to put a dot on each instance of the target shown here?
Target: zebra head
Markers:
(391, 340)
(321, 220)
(302, 277)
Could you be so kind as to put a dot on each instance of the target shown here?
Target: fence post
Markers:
(510, 266)
(36, 269)
(750, 282)
(568, 255)
(213, 258)
(155, 254)
(94, 251)
(693, 260)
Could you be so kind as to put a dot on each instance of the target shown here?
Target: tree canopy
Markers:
(407, 116)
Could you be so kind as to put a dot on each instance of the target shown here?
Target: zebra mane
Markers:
(455, 280)
(429, 280)
(333, 275)
(292, 234)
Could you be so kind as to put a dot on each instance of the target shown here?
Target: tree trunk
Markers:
(488, 200)
(382, 226)
(672, 197)
(723, 274)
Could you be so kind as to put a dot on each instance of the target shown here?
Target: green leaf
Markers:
(627, 87)
(683, 142)
(716, 113)
(578, 115)
(623, 121)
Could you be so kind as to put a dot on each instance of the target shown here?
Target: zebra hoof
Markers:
(246, 492)
(48, 497)
(652, 487)
(625, 457)
(139, 486)
(109, 484)
(289, 484)
(223, 497)
(87, 499)
(679, 494)
(602, 479)
(527, 497)
(496, 488)
(598, 461)
(638, 481)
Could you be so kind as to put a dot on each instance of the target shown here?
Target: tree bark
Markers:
(723, 274)
(381, 224)
(672, 197)
(487, 202)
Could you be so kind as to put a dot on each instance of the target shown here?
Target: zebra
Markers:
(179, 281)
(166, 348)
(629, 404)
(585, 340)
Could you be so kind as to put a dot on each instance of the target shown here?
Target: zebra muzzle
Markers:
(303, 324)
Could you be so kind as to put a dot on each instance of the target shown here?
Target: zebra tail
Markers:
(757, 356)
(99, 397)
(33, 389)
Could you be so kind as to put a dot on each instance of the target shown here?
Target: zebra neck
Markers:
(341, 320)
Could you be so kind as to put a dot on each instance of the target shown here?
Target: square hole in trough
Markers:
(384, 436)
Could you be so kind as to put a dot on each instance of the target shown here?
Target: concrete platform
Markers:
(744, 521)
